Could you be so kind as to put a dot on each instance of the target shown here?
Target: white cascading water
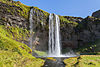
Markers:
(31, 27)
(57, 37)
(54, 36)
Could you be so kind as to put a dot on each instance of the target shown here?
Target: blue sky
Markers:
(78, 8)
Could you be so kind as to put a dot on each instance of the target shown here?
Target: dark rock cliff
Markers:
(10, 15)
(96, 14)
(40, 27)
(88, 30)
(75, 31)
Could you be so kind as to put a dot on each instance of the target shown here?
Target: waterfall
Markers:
(54, 35)
(31, 27)
(54, 44)
(57, 36)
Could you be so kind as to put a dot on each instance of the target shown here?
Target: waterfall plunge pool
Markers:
(55, 61)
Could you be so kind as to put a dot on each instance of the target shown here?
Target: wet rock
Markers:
(71, 44)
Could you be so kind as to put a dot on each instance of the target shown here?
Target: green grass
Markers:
(83, 61)
(70, 62)
(14, 53)
(13, 59)
(89, 61)
(15, 33)
(40, 53)
(64, 21)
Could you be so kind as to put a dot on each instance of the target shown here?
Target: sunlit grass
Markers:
(83, 61)
(14, 53)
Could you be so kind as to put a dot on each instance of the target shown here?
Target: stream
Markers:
(58, 62)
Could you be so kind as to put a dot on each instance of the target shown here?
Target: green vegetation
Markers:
(14, 59)
(64, 21)
(13, 53)
(20, 9)
(91, 48)
(17, 7)
(96, 20)
(44, 12)
(89, 61)
(81, 26)
(51, 58)
(88, 20)
(83, 61)
(70, 62)
(15, 33)
(40, 53)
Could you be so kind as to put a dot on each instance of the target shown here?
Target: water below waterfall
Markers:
(58, 63)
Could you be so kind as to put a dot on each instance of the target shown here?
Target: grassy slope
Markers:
(15, 33)
(13, 53)
(83, 61)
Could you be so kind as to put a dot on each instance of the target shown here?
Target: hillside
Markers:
(14, 53)
(82, 35)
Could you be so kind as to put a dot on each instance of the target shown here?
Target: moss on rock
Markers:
(14, 53)
(83, 61)
(15, 33)
(16, 8)
(66, 21)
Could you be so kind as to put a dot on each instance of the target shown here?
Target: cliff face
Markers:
(75, 31)
(40, 29)
(96, 14)
(14, 35)
(85, 34)
(88, 30)
(16, 14)
(13, 14)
